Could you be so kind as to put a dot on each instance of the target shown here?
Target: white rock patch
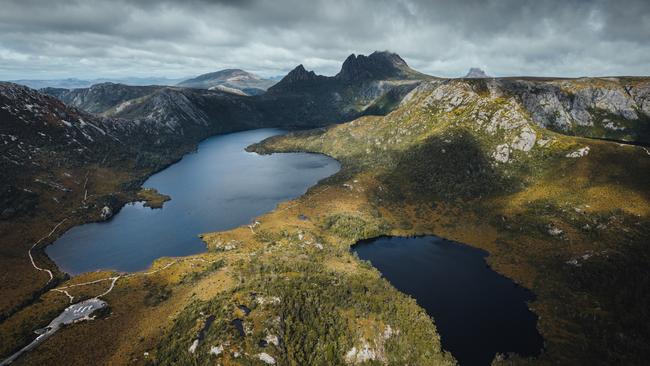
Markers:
(267, 300)
(578, 153)
(526, 139)
(272, 339)
(195, 344)
(266, 358)
(216, 350)
(612, 126)
(364, 354)
(502, 153)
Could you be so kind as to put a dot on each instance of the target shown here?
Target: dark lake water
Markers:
(219, 187)
(477, 311)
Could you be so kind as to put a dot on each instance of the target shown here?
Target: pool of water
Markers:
(477, 311)
(219, 187)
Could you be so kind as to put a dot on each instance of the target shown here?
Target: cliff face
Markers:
(612, 108)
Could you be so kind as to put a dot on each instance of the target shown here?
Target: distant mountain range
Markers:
(234, 81)
(73, 83)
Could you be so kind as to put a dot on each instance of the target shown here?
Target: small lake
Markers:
(219, 187)
(477, 311)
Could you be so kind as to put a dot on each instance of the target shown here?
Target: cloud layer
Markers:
(93, 38)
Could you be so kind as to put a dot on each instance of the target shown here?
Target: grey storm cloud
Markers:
(92, 38)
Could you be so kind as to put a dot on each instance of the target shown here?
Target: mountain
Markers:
(72, 83)
(230, 80)
(384, 66)
(377, 66)
(300, 99)
(476, 73)
(365, 85)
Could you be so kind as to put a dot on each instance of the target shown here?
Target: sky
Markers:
(45, 39)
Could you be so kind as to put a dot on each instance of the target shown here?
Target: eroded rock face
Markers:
(641, 95)
(570, 103)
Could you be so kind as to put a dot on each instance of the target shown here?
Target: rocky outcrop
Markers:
(106, 213)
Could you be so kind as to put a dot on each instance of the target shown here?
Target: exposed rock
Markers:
(578, 153)
(502, 153)
(554, 231)
(272, 339)
(357, 356)
(565, 104)
(195, 344)
(266, 358)
(526, 139)
(262, 300)
(216, 350)
(106, 213)
(612, 126)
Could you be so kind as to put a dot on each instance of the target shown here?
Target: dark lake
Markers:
(477, 311)
(219, 187)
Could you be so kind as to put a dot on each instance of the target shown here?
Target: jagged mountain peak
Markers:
(476, 73)
(298, 76)
(299, 73)
(377, 65)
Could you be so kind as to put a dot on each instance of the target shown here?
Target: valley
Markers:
(514, 166)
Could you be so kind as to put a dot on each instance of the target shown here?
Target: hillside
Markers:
(100, 97)
(567, 217)
(233, 80)
(62, 163)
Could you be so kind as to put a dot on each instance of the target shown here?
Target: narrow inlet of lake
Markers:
(219, 187)
(478, 312)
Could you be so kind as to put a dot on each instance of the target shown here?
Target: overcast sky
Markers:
(92, 39)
